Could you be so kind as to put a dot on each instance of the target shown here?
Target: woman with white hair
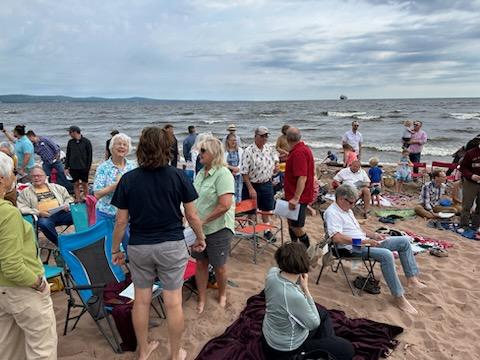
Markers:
(7, 148)
(215, 187)
(27, 319)
(108, 175)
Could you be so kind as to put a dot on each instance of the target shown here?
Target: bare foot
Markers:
(415, 283)
(404, 305)
(200, 306)
(151, 346)
(222, 300)
(182, 355)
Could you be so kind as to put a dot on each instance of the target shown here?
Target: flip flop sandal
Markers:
(369, 287)
(439, 252)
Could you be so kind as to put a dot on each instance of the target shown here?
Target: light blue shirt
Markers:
(24, 146)
(106, 175)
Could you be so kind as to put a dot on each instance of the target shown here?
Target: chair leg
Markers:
(346, 277)
(320, 274)
(162, 310)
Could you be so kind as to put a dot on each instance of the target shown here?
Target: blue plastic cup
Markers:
(357, 245)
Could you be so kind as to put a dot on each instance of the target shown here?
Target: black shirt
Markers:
(152, 198)
(79, 154)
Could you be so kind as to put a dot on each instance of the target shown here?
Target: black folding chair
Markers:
(335, 254)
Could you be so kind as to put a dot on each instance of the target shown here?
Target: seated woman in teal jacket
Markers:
(292, 322)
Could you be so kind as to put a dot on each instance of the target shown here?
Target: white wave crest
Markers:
(324, 145)
(367, 117)
(210, 122)
(346, 114)
(465, 116)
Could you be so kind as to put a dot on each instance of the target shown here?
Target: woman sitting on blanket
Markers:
(292, 322)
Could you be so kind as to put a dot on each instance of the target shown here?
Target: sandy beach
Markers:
(446, 328)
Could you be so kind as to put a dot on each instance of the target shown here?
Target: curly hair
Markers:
(153, 149)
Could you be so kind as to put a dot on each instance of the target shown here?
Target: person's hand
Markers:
(252, 193)
(44, 214)
(370, 242)
(292, 203)
(476, 177)
(379, 237)
(66, 207)
(199, 245)
(118, 258)
(67, 172)
(303, 279)
(235, 170)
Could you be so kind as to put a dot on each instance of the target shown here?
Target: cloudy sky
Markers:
(241, 49)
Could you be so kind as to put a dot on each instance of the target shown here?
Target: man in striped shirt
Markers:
(49, 152)
(430, 196)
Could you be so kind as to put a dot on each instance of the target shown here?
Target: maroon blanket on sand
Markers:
(241, 340)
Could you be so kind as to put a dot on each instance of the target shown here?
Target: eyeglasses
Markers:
(202, 150)
(351, 202)
(416, 124)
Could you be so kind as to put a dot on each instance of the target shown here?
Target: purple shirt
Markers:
(421, 136)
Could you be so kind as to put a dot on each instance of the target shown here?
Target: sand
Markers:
(447, 327)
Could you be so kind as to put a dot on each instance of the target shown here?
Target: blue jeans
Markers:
(383, 254)
(111, 218)
(47, 224)
(61, 178)
(238, 188)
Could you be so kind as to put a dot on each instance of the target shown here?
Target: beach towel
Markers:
(428, 242)
(398, 199)
(399, 213)
(91, 202)
(241, 340)
(447, 225)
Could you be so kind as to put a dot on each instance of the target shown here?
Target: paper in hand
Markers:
(282, 209)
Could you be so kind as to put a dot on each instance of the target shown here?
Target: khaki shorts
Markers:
(165, 260)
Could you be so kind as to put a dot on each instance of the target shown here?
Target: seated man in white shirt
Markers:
(343, 227)
(357, 177)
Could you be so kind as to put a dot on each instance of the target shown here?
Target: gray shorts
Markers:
(218, 248)
(166, 260)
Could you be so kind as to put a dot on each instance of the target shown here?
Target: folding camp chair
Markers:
(248, 228)
(444, 165)
(89, 267)
(333, 254)
(420, 171)
(50, 271)
(189, 278)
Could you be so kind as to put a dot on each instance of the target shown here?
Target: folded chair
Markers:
(89, 267)
(334, 255)
(249, 229)
(421, 171)
(446, 166)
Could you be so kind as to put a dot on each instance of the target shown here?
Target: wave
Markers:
(443, 139)
(346, 114)
(427, 149)
(210, 122)
(465, 116)
(368, 117)
(189, 113)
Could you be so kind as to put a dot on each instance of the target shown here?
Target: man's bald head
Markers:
(293, 135)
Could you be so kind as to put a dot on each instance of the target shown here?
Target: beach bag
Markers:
(79, 216)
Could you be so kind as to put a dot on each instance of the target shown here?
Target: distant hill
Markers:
(14, 98)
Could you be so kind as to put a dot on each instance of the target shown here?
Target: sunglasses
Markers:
(202, 150)
(351, 202)
(264, 136)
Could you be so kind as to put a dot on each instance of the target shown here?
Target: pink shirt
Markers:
(418, 136)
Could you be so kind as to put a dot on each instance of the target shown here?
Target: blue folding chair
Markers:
(50, 270)
(89, 267)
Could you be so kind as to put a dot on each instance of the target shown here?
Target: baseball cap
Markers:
(74, 128)
(261, 130)
(114, 132)
(231, 127)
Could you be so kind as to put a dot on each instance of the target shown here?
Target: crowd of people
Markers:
(148, 225)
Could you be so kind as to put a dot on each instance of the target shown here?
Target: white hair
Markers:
(121, 137)
(7, 145)
(6, 164)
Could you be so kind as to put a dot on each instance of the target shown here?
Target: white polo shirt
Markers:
(353, 139)
(343, 222)
(346, 176)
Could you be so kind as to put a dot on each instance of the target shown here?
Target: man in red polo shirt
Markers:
(299, 178)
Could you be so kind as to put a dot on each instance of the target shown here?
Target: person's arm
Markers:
(121, 222)
(24, 205)
(359, 151)
(186, 152)
(245, 170)
(426, 199)
(196, 224)
(67, 158)
(223, 205)
(26, 159)
(11, 257)
(466, 167)
(301, 307)
(301, 181)
(89, 154)
(9, 136)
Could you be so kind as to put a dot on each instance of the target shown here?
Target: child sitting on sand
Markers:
(331, 157)
(349, 155)
(404, 171)
(407, 133)
(375, 175)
